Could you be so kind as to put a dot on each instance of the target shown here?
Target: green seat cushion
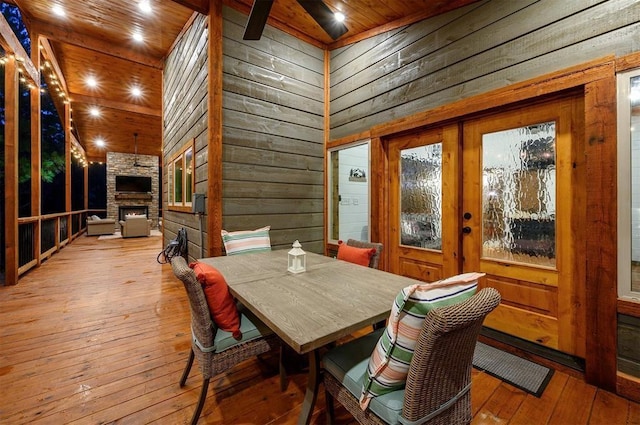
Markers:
(348, 364)
(251, 329)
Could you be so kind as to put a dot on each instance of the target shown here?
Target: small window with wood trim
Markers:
(180, 183)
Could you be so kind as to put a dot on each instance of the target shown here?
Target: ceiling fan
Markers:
(319, 11)
(135, 158)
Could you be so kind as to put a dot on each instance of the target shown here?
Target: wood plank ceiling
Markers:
(94, 39)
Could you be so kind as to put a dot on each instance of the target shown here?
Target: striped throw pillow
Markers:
(247, 241)
(389, 363)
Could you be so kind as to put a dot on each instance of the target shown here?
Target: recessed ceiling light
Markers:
(95, 112)
(339, 16)
(137, 37)
(100, 142)
(91, 82)
(135, 91)
(145, 6)
(58, 10)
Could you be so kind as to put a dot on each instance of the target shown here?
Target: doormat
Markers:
(521, 373)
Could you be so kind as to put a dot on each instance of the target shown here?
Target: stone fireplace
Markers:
(121, 203)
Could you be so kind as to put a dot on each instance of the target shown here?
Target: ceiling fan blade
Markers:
(257, 19)
(321, 13)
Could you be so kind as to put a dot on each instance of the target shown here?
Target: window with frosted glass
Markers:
(421, 196)
(519, 194)
(349, 193)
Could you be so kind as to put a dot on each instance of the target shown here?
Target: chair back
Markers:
(374, 262)
(442, 361)
(202, 326)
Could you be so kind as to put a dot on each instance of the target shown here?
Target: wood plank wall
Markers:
(469, 51)
(185, 119)
(273, 142)
(273, 139)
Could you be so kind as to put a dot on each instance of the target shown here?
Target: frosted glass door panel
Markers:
(421, 196)
(519, 194)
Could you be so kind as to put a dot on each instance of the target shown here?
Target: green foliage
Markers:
(51, 166)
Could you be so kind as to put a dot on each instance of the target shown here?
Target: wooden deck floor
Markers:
(100, 333)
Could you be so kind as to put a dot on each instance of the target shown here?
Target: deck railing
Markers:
(40, 237)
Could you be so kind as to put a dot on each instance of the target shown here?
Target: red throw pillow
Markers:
(355, 255)
(221, 304)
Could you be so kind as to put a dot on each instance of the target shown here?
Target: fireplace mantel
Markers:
(136, 196)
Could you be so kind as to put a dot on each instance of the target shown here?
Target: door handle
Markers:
(466, 230)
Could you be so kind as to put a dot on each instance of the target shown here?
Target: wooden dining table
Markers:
(309, 310)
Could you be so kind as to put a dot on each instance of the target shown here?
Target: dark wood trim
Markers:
(380, 198)
(201, 6)
(327, 133)
(628, 62)
(349, 139)
(214, 159)
(630, 308)
(601, 239)
(628, 386)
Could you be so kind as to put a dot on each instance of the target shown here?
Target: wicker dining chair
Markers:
(215, 349)
(438, 385)
(374, 262)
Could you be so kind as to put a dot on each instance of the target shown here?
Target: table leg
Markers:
(312, 388)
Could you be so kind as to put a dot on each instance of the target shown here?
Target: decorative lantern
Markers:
(297, 259)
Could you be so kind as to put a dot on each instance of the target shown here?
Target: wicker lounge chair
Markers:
(216, 350)
(439, 381)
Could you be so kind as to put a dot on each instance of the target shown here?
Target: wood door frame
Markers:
(598, 80)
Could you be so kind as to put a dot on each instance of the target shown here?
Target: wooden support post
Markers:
(11, 90)
(36, 152)
(67, 157)
(214, 159)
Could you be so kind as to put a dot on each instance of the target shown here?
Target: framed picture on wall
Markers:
(357, 175)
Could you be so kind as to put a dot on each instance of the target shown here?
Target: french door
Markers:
(500, 194)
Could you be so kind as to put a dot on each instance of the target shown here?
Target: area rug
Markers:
(521, 373)
(118, 235)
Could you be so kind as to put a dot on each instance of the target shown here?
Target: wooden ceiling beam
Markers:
(49, 56)
(201, 6)
(56, 33)
(123, 106)
(11, 44)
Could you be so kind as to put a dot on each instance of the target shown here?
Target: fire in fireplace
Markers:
(132, 209)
